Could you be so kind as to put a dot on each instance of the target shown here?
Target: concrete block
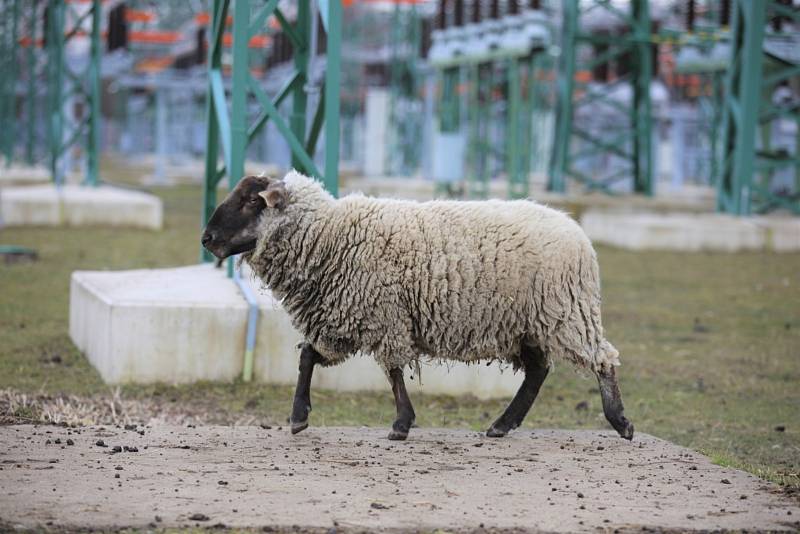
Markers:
(692, 232)
(189, 323)
(23, 175)
(72, 205)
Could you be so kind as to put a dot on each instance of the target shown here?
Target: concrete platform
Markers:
(693, 232)
(73, 205)
(355, 480)
(23, 175)
(186, 324)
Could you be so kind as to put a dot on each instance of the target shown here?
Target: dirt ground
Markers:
(355, 479)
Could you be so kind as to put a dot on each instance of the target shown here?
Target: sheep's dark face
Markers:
(234, 225)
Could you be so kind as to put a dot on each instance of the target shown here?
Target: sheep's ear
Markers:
(275, 195)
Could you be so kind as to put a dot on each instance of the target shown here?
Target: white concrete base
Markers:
(693, 232)
(73, 205)
(186, 324)
(23, 175)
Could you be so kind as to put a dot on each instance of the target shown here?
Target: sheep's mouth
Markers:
(246, 247)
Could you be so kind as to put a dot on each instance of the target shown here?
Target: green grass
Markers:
(710, 345)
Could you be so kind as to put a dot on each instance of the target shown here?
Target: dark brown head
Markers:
(234, 225)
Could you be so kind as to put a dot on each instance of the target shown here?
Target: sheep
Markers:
(513, 281)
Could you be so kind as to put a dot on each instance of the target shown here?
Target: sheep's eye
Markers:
(253, 200)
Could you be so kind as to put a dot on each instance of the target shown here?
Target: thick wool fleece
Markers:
(404, 280)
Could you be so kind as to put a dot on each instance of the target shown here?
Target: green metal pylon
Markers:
(229, 128)
(634, 144)
(64, 84)
(743, 184)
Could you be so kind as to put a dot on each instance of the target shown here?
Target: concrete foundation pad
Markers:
(354, 479)
(189, 323)
(693, 232)
(73, 205)
(23, 175)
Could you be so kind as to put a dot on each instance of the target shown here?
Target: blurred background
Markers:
(669, 129)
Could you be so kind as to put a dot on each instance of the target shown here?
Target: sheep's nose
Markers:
(207, 238)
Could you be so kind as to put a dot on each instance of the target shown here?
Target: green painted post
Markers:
(475, 185)
(642, 109)
(740, 119)
(449, 108)
(11, 83)
(30, 101)
(513, 130)
(219, 13)
(297, 120)
(559, 163)
(55, 67)
(93, 96)
(332, 96)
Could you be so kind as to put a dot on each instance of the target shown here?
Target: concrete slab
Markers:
(23, 175)
(188, 323)
(693, 232)
(354, 479)
(73, 205)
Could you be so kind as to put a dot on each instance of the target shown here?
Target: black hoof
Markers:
(624, 428)
(396, 435)
(495, 432)
(299, 427)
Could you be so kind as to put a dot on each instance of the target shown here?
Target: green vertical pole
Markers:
(10, 80)
(297, 120)
(475, 189)
(30, 101)
(93, 137)
(217, 29)
(642, 109)
(55, 66)
(332, 96)
(513, 124)
(740, 120)
(559, 163)
(449, 111)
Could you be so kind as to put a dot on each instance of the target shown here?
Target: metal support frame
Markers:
(229, 128)
(9, 40)
(633, 144)
(64, 85)
(743, 184)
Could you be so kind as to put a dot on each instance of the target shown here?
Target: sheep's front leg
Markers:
(302, 395)
(405, 411)
(536, 368)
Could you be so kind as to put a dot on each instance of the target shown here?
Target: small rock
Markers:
(57, 441)
(477, 444)
(116, 448)
(222, 482)
(725, 481)
(780, 428)
(70, 442)
(378, 506)
(199, 517)
(582, 406)
(130, 427)
(100, 443)
(743, 497)
(580, 495)
(116, 475)
(266, 427)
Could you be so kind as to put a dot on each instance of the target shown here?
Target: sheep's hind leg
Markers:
(405, 411)
(612, 403)
(536, 368)
(302, 395)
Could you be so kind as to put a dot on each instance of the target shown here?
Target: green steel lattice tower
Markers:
(633, 143)
(229, 129)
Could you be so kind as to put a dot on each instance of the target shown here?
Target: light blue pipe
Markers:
(252, 324)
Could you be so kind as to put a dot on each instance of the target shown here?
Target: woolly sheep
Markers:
(512, 281)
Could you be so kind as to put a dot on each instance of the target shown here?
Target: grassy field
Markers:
(710, 346)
